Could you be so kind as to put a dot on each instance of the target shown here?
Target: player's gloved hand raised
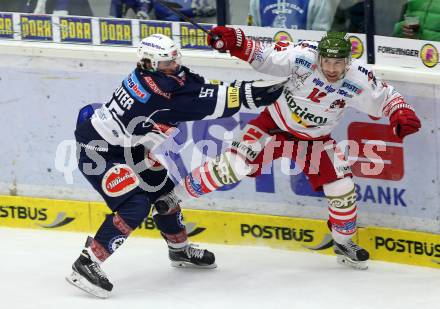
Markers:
(404, 121)
(230, 39)
(255, 94)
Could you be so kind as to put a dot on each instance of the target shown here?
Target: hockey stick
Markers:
(175, 8)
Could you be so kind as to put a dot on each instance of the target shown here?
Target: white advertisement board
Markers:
(406, 53)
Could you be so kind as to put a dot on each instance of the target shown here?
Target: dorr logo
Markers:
(391, 157)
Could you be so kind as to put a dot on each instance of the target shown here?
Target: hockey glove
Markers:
(404, 121)
(255, 94)
(230, 39)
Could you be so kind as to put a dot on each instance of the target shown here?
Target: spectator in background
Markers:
(293, 14)
(142, 8)
(349, 16)
(420, 20)
(59, 7)
(190, 8)
(151, 9)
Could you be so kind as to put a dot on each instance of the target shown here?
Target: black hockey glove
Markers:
(255, 94)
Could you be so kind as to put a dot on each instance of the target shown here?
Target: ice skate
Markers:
(350, 254)
(191, 256)
(89, 277)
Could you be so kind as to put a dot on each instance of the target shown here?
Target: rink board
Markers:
(289, 233)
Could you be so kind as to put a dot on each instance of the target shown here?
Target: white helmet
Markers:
(158, 47)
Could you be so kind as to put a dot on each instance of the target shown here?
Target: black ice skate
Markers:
(349, 253)
(89, 277)
(190, 256)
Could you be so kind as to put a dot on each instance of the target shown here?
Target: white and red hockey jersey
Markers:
(310, 107)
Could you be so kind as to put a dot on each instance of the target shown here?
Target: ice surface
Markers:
(34, 264)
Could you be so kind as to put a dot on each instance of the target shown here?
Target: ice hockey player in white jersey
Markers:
(323, 82)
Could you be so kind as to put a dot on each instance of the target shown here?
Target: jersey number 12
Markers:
(315, 95)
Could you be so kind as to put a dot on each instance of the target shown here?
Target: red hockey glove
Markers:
(230, 39)
(404, 122)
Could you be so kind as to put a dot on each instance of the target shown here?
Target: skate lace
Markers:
(97, 270)
(351, 245)
(192, 251)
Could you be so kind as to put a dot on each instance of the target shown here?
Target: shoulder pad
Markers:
(363, 73)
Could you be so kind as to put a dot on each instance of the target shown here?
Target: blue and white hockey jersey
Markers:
(148, 105)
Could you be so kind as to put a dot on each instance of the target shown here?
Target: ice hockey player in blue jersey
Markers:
(116, 143)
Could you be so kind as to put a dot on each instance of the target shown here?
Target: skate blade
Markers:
(343, 260)
(75, 279)
(183, 264)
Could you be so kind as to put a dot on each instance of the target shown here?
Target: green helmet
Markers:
(335, 45)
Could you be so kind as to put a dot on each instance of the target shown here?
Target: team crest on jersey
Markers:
(340, 103)
(119, 180)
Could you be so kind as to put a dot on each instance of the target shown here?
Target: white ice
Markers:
(33, 265)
